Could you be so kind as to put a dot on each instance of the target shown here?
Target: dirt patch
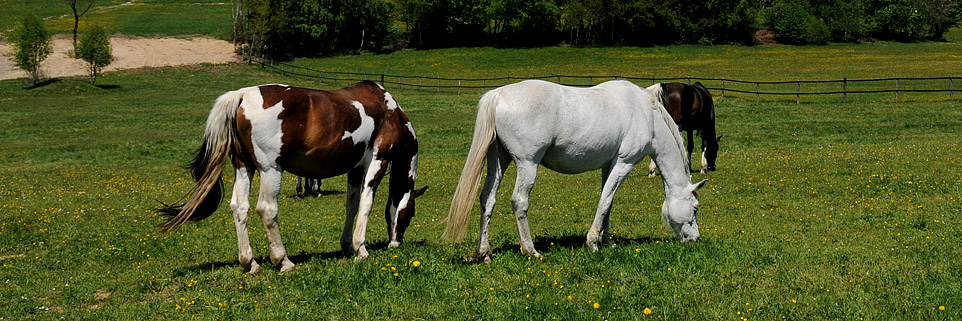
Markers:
(129, 53)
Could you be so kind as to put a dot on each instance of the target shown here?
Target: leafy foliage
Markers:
(32, 45)
(94, 48)
(309, 28)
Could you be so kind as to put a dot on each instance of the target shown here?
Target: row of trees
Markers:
(289, 28)
(32, 44)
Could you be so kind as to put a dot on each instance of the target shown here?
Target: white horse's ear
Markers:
(699, 185)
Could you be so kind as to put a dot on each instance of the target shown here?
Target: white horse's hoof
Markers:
(287, 266)
(254, 268)
(393, 244)
(361, 254)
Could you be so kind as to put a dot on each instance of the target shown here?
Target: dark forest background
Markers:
(285, 29)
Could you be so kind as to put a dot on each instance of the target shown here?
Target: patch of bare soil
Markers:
(129, 53)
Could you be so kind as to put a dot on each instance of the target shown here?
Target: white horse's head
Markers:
(680, 212)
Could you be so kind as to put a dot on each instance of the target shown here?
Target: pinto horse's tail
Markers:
(203, 198)
(463, 201)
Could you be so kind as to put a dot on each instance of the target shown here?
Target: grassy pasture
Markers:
(144, 18)
(816, 212)
(820, 210)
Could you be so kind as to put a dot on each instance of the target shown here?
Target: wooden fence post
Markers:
(798, 92)
(896, 90)
(757, 94)
(951, 89)
(382, 81)
(459, 86)
(320, 77)
(723, 88)
(439, 83)
(845, 89)
(420, 81)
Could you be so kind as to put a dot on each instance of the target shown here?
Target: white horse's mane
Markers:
(657, 97)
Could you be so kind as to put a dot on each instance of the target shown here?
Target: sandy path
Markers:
(129, 53)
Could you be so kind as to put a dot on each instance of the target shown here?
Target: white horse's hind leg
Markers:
(267, 208)
(497, 164)
(240, 204)
(612, 179)
(527, 172)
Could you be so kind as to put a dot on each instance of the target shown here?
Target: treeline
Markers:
(298, 28)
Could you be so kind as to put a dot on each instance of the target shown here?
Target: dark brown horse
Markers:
(692, 108)
(357, 130)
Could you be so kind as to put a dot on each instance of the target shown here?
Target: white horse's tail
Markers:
(463, 201)
(208, 164)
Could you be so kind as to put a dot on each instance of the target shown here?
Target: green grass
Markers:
(818, 211)
(147, 18)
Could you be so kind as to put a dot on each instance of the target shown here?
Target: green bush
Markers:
(32, 45)
(94, 48)
(794, 24)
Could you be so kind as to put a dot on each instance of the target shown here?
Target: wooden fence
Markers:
(893, 89)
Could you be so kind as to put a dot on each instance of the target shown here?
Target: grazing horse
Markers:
(692, 108)
(611, 126)
(356, 130)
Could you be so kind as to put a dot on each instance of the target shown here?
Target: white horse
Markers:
(611, 126)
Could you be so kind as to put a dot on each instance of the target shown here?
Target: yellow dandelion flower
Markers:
(647, 311)
(941, 308)
(596, 305)
(416, 263)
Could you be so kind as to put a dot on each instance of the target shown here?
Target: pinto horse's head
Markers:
(405, 211)
(680, 212)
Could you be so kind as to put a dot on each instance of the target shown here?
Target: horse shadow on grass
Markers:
(297, 259)
(546, 245)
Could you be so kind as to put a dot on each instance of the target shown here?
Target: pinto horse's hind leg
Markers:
(240, 204)
(497, 164)
(267, 208)
(611, 179)
(527, 172)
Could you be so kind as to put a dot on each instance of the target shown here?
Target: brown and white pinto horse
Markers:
(692, 108)
(356, 130)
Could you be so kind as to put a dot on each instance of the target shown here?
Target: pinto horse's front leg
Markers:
(372, 178)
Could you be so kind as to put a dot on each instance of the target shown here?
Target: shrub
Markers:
(94, 48)
(32, 45)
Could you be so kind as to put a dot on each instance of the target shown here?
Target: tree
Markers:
(32, 45)
(79, 8)
(94, 48)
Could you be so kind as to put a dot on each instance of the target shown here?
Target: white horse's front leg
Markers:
(371, 181)
(240, 204)
(522, 191)
(267, 208)
(612, 179)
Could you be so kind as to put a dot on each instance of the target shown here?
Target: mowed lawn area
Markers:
(818, 210)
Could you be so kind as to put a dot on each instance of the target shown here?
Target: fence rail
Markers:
(883, 88)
